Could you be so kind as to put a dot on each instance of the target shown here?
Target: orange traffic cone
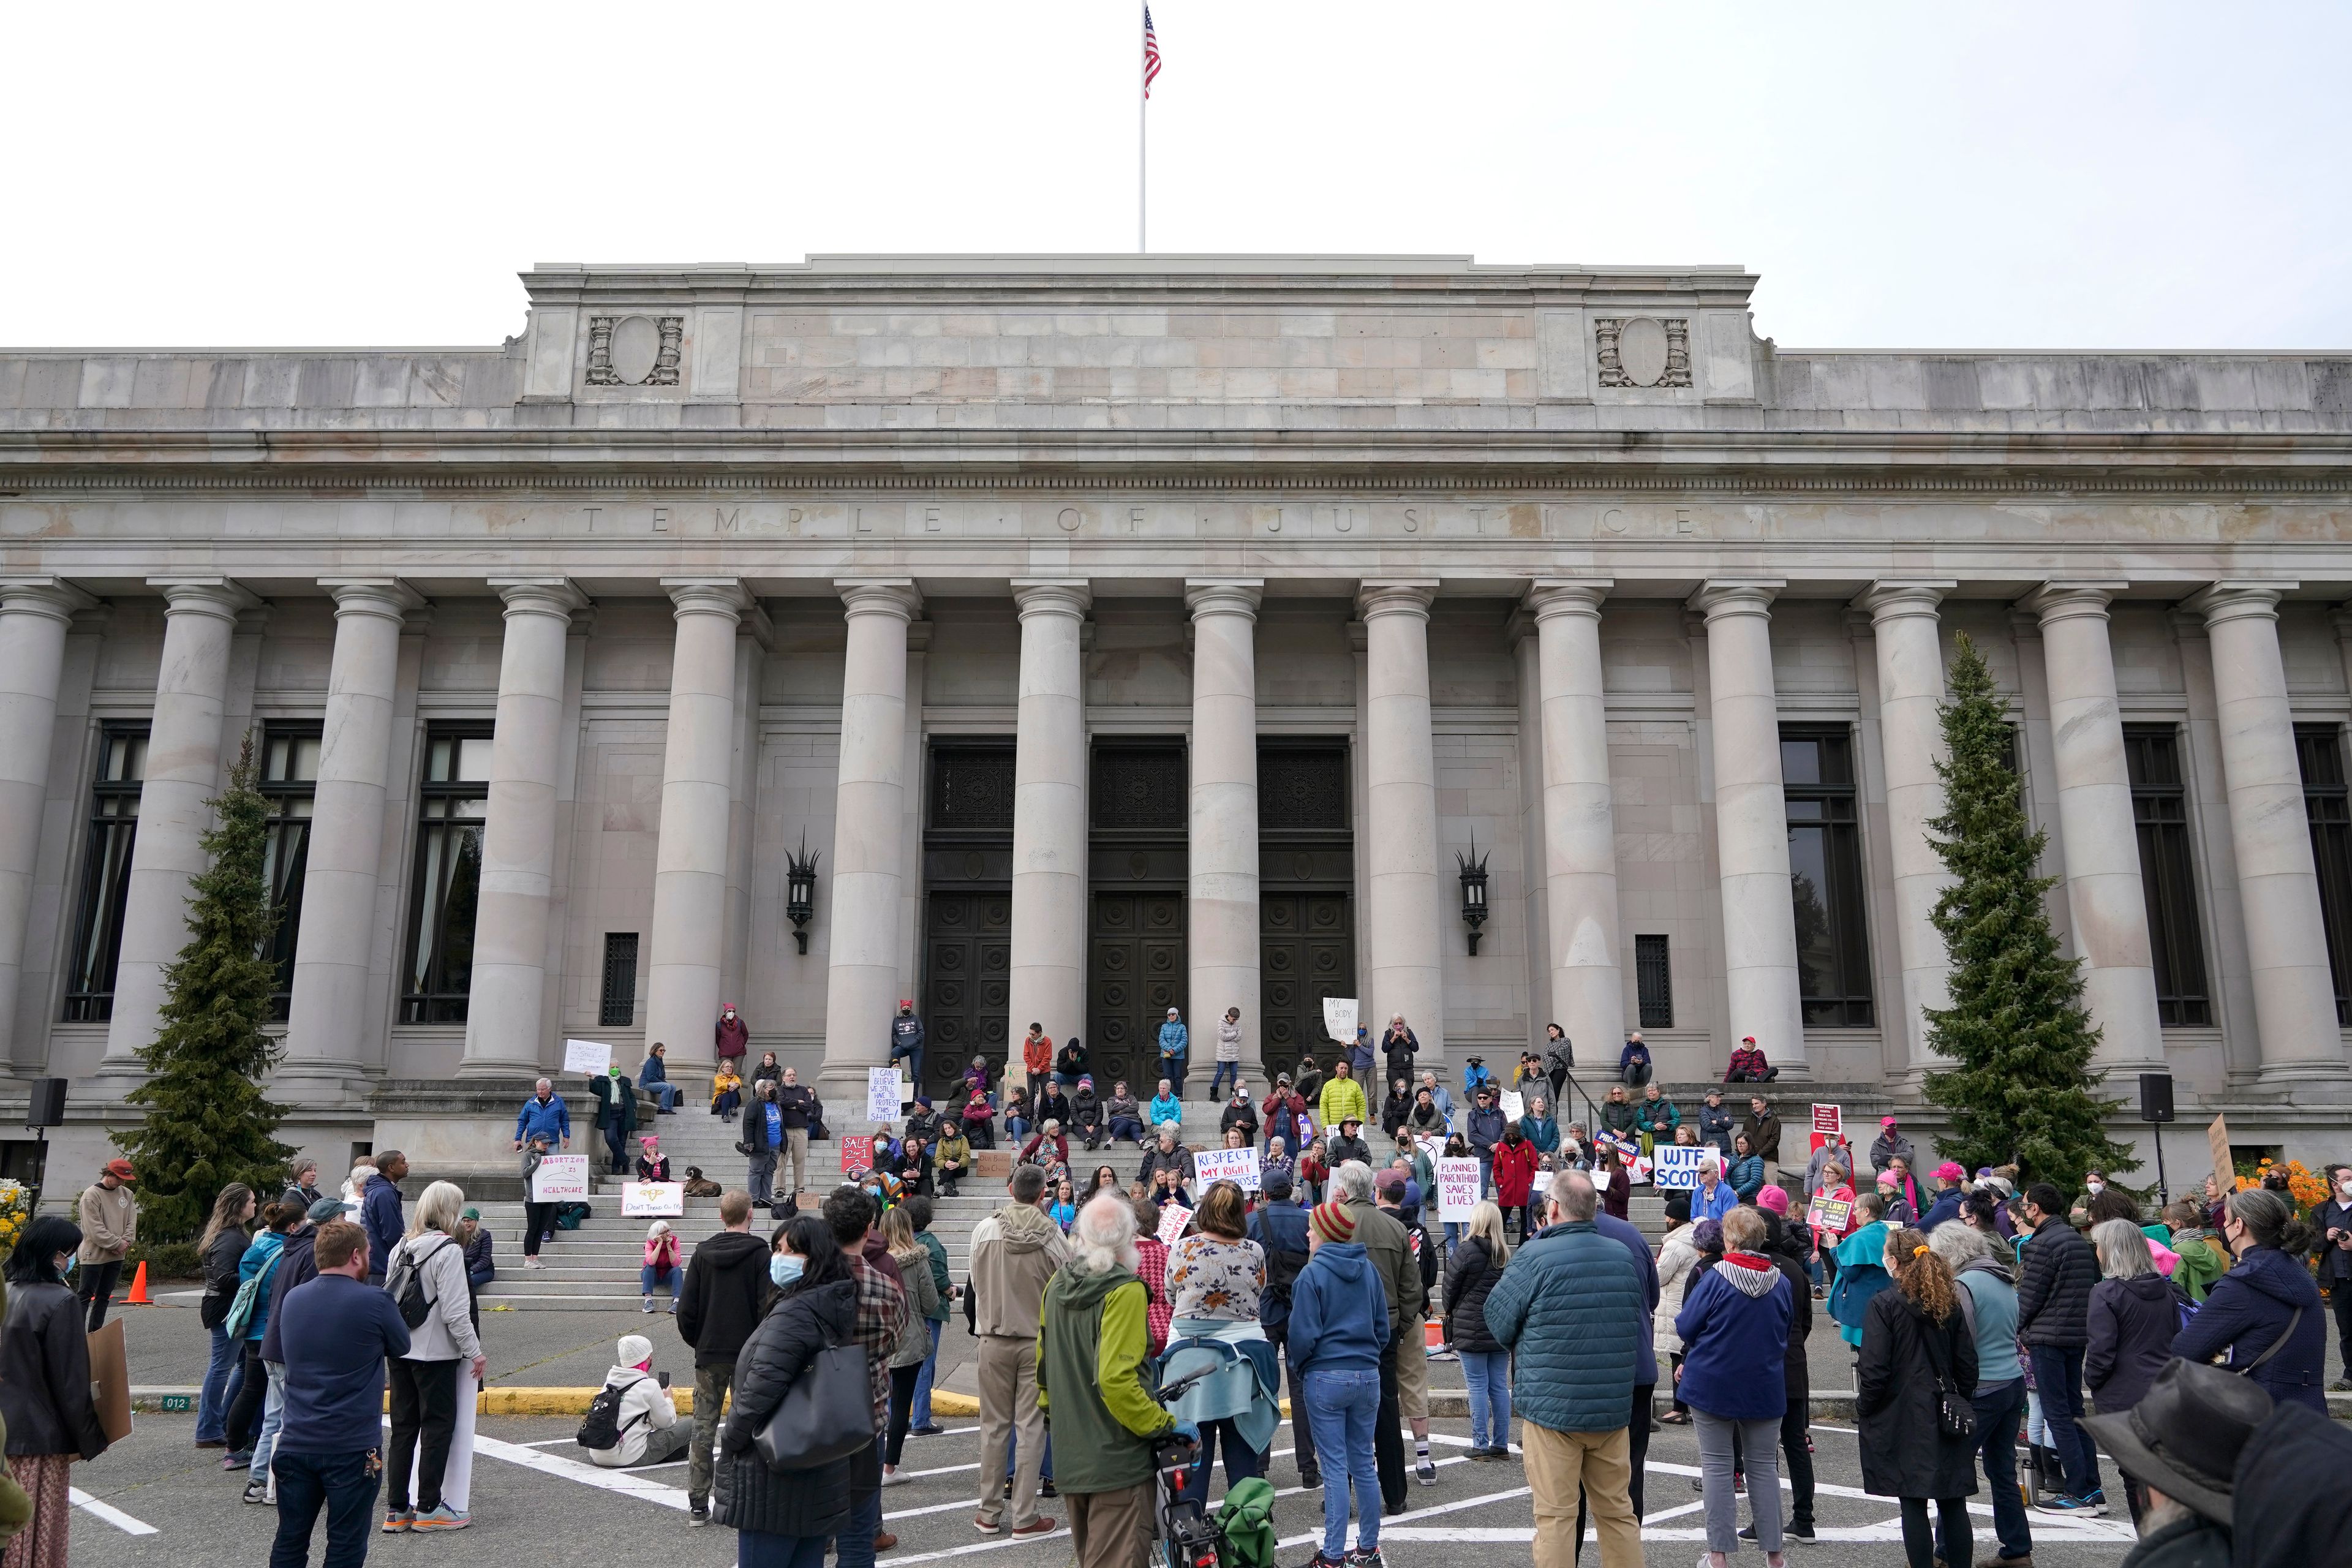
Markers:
(138, 1296)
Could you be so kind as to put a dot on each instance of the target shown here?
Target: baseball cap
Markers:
(120, 1170)
(326, 1209)
(1886, 1122)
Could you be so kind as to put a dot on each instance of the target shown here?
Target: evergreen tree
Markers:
(2023, 1091)
(208, 1124)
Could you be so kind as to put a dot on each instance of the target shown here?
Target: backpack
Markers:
(249, 1298)
(570, 1215)
(406, 1285)
(600, 1428)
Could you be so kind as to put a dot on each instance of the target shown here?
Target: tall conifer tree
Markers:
(208, 1122)
(2022, 1089)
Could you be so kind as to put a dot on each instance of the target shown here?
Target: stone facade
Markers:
(712, 562)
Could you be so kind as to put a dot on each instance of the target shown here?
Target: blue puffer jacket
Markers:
(1734, 1326)
(1570, 1306)
(2246, 1311)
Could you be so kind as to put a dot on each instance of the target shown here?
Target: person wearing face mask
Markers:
(45, 1393)
(1514, 1175)
(2332, 1221)
(784, 1517)
(734, 1038)
(2266, 1310)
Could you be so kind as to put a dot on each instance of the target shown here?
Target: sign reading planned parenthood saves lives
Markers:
(1457, 1188)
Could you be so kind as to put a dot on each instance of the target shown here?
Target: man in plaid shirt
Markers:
(849, 1214)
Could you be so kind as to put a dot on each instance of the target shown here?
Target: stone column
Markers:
(1534, 901)
(862, 993)
(1048, 981)
(1751, 824)
(1221, 912)
(689, 931)
(506, 1013)
(329, 1027)
(34, 614)
(2278, 885)
(1587, 988)
(2105, 901)
(1911, 735)
(1400, 817)
(183, 773)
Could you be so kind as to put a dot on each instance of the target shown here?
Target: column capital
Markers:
(1224, 595)
(879, 596)
(552, 596)
(1721, 596)
(387, 596)
(1566, 596)
(1893, 598)
(2234, 601)
(50, 596)
(2062, 601)
(215, 596)
(1394, 596)
(1070, 596)
(706, 596)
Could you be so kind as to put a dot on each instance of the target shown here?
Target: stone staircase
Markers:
(595, 1267)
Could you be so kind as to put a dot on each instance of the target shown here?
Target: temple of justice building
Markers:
(1117, 633)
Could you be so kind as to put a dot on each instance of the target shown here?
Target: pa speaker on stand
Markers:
(2155, 1110)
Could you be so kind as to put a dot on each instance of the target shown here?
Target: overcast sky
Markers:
(2085, 175)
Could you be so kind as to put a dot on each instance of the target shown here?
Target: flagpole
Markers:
(1142, 107)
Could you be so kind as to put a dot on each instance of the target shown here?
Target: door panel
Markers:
(1136, 963)
(1306, 952)
(968, 963)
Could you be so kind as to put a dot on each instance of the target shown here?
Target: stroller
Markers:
(1183, 1533)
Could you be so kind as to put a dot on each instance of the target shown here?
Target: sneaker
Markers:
(1041, 1525)
(673, 1306)
(1444, 1355)
(1366, 1557)
(398, 1523)
(237, 1462)
(1046, 1487)
(1804, 1536)
(647, 1306)
(931, 1429)
(893, 1477)
(2341, 1386)
(258, 1492)
(2062, 1503)
(1310, 1477)
(1424, 1471)
(2098, 1497)
(223, 1442)
(1321, 1560)
(442, 1518)
(697, 1514)
(533, 1262)
(984, 1524)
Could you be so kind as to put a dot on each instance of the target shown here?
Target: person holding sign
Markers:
(616, 1113)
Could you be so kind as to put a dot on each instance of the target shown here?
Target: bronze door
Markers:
(968, 964)
(1306, 952)
(1136, 963)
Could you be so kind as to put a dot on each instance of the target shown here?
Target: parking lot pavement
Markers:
(535, 1498)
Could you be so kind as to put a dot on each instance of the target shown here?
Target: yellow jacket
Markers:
(1341, 1098)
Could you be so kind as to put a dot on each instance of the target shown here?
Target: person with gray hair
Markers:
(1988, 1299)
(1573, 1310)
(425, 1380)
(2264, 1311)
(2134, 1313)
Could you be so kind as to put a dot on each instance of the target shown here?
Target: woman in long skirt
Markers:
(44, 1394)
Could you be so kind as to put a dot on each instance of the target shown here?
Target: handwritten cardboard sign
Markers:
(882, 1094)
(2225, 1171)
(1339, 1018)
(1238, 1166)
(1677, 1166)
(587, 1055)
(1173, 1218)
(559, 1178)
(652, 1200)
(1457, 1189)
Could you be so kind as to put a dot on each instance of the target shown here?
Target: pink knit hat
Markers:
(1773, 1199)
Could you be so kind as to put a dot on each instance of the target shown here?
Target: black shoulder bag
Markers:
(826, 1414)
(1956, 1417)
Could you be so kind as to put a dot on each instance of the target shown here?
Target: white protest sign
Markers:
(652, 1200)
(1238, 1166)
(1600, 1180)
(559, 1178)
(1457, 1188)
(1540, 1183)
(587, 1055)
(882, 1094)
(1173, 1218)
(1339, 1018)
(1515, 1104)
(1677, 1166)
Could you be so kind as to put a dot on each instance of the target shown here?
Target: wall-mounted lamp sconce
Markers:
(800, 891)
(1474, 892)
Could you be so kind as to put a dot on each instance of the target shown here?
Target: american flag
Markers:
(1151, 53)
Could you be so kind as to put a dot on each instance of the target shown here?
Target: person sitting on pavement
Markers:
(650, 1431)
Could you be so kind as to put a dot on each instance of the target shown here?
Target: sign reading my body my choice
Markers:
(1339, 1018)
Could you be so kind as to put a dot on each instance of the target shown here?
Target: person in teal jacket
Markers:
(1862, 1268)
(1656, 1118)
(1537, 1126)
(1174, 1041)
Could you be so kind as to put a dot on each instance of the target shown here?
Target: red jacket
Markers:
(1037, 1054)
(1515, 1172)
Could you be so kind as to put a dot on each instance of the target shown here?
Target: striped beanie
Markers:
(1332, 1223)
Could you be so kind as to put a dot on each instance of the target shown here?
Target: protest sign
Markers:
(587, 1055)
(1540, 1183)
(1829, 1125)
(856, 1153)
(1173, 1218)
(1457, 1189)
(882, 1094)
(1238, 1166)
(558, 1178)
(1677, 1166)
(1830, 1216)
(1600, 1180)
(2225, 1170)
(652, 1200)
(1339, 1018)
(1514, 1104)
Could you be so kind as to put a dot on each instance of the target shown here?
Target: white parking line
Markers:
(109, 1512)
(546, 1464)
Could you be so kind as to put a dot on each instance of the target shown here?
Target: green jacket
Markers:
(2200, 1264)
(1091, 1347)
(1389, 1245)
(1658, 1117)
(938, 1272)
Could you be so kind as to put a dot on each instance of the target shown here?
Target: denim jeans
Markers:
(1341, 1406)
(853, 1546)
(1242, 1461)
(1227, 1073)
(1489, 1374)
(651, 1279)
(1016, 1127)
(340, 1483)
(922, 1411)
(1172, 1069)
(757, 1548)
(2058, 1376)
(1997, 1410)
(222, 1375)
(273, 1419)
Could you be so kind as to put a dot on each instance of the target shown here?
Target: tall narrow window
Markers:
(106, 873)
(1825, 878)
(2168, 872)
(619, 1008)
(1653, 982)
(289, 783)
(2327, 807)
(453, 802)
